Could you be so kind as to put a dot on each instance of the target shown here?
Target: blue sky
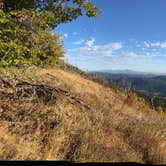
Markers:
(128, 34)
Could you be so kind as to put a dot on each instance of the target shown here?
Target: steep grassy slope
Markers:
(55, 115)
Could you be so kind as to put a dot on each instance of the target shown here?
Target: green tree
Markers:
(27, 40)
(25, 28)
(63, 11)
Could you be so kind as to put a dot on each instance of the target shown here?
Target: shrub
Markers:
(25, 39)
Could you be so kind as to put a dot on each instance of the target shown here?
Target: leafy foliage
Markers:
(25, 29)
(25, 40)
(63, 11)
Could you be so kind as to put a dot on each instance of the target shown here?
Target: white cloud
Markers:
(146, 44)
(145, 54)
(75, 33)
(116, 46)
(98, 50)
(72, 50)
(148, 54)
(66, 35)
(156, 44)
(90, 42)
(163, 45)
(129, 55)
(114, 50)
(79, 42)
(151, 54)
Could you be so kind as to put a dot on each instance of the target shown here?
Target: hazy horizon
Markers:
(125, 70)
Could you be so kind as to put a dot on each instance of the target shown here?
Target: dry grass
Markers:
(77, 120)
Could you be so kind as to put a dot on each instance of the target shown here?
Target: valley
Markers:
(151, 87)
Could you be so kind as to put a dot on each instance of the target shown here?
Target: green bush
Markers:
(25, 39)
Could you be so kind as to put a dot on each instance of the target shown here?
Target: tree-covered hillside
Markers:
(151, 88)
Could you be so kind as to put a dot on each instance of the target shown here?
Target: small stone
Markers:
(9, 91)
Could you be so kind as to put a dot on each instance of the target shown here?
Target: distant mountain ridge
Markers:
(129, 72)
(147, 83)
(150, 86)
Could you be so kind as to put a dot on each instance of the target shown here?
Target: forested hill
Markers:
(150, 86)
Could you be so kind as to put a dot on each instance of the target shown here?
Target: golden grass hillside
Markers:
(49, 114)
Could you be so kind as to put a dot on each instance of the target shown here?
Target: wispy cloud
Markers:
(90, 42)
(97, 50)
(129, 55)
(75, 33)
(146, 44)
(66, 35)
(79, 42)
(155, 44)
(116, 51)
